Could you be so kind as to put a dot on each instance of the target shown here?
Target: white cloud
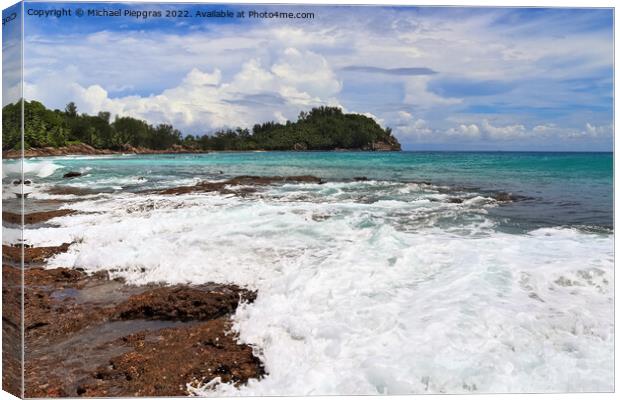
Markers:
(204, 101)
(464, 131)
(198, 77)
(589, 132)
(598, 131)
(410, 128)
(378, 120)
(417, 94)
(545, 128)
(506, 132)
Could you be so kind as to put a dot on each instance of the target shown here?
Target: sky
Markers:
(442, 78)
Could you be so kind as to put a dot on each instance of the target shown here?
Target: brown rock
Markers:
(89, 336)
(35, 217)
(509, 197)
(183, 303)
(162, 363)
(69, 190)
(32, 254)
(389, 144)
(11, 330)
(300, 147)
(223, 187)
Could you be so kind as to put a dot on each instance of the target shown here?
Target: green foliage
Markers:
(11, 123)
(44, 127)
(322, 128)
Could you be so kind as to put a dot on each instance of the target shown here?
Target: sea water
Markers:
(378, 286)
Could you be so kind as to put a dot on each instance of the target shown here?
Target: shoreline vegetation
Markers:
(66, 132)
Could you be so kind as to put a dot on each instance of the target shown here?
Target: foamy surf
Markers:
(39, 169)
(370, 287)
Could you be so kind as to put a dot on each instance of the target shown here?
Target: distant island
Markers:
(57, 132)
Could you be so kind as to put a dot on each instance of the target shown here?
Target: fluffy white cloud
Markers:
(506, 132)
(465, 131)
(409, 128)
(204, 101)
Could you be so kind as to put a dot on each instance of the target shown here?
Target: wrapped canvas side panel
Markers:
(12, 201)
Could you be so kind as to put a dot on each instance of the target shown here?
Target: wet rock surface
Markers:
(162, 363)
(72, 191)
(32, 255)
(246, 181)
(506, 197)
(89, 335)
(182, 303)
(11, 330)
(34, 217)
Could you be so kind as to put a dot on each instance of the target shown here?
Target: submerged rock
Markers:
(72, 174)
(73, 191)
(225, 187)
(509, 197)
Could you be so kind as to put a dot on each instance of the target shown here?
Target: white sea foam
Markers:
(11, 236)
(364, 295)
(31, 169)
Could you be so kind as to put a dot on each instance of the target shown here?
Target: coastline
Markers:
(96, 336)
(130, 327)
(86, 150)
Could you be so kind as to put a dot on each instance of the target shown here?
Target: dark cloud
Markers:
(391, 71)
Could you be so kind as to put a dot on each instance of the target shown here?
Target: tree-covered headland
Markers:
(322, 128)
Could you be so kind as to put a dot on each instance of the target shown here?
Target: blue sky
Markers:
(442, 78)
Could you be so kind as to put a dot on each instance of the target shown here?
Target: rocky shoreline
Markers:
(86, 150)
(90, 335)
(87, 335)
